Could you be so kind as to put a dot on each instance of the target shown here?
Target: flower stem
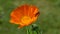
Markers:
(27, 30)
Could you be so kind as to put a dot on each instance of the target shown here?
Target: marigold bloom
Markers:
(24, 15)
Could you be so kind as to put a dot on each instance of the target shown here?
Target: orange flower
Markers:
(24, 15)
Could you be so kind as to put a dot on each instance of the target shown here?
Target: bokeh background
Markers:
(48, 21)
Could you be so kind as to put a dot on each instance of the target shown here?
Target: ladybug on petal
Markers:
(24, 15)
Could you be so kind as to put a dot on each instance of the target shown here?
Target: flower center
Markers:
(26, 20)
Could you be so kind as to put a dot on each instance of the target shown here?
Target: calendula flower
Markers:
(24, 15)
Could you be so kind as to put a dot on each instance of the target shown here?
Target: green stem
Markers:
(27, 30)
(37, 32)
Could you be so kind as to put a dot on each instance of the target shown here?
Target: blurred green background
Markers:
(49, 19)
